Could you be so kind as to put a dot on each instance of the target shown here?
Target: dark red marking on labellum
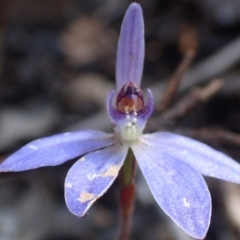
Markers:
(130, 98)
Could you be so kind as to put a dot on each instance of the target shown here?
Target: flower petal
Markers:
(179, 189)
(91, 176)
(55, 150)
(200, 156)
(130, 52)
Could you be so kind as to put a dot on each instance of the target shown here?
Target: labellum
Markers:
(130, 99)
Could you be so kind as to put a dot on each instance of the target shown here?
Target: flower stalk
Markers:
(127, 196)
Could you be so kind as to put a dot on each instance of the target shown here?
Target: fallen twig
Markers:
(213, 136)
(193, 99)
(173, 83)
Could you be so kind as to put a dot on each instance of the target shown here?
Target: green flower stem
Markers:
(127, 195)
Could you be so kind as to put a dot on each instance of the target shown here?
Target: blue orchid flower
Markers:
(172, 165)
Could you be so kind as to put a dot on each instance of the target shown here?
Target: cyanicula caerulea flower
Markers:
(171, 164)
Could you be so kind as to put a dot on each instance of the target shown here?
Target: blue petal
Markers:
(200, 156)
(91, 176)
(55, 150)
(179, 189)
(130, 52)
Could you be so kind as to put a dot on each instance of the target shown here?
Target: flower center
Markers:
(130, 98)
(130, 101)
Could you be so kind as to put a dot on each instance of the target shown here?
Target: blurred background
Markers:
(57, 64)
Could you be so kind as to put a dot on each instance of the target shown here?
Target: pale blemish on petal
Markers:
(82, 159)
(86, 196)
(186, 203)
(66, 133)
(111, 172)
(33, 147)
(68, 185)
(91, 176)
